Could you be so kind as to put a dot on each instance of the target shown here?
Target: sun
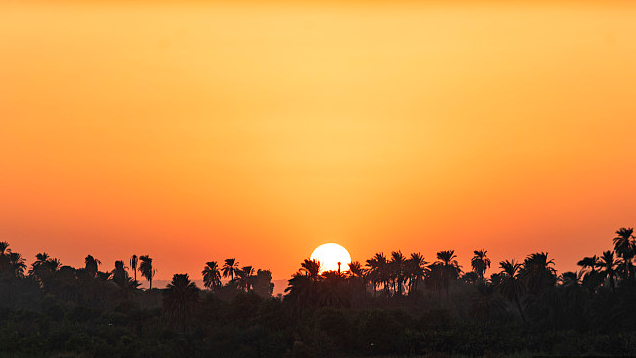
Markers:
(330, 255)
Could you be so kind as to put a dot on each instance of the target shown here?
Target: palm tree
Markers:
(44, 266)
(608, 265)
(416, 269)
(230, 268)
(180, 298)
(211, 275)
(625, 248)
(11, 262)
(91, 265)
(592, 278)
(120, 276)
(510, 284)
(449, 267)
(480, 263)
(133, 265)
(590, 263)
(40, 261)
(538, 273)
(377, 270)
(17, 264)
(396, 265)
(310, 268)
(245, 277)
(145, 268)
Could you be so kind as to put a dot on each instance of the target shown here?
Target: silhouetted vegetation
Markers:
(392, 305)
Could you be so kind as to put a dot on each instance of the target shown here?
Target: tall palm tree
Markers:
(230, 268)
(180, 299)
(480, 263)
(449, 267)
(625, 248)
(146, 269)
(510, 284)
(416, 268)
(133, 265)
(211, 275)
(91, 265)
(397, 266)
(608, 265)
(377, 271)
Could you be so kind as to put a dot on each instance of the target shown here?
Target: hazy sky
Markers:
(200, 131)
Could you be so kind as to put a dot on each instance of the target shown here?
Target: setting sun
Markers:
(330, 255)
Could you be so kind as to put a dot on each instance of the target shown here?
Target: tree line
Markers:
(389, 304)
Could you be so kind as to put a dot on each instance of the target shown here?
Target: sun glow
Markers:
(331, 256)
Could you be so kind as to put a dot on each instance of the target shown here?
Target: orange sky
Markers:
(200, 131)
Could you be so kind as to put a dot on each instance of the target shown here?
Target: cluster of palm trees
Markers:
(523, 284)
(244, 278)
(612, 266)
(45, 267)
(393, 276)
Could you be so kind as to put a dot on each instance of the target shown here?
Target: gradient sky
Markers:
(199, 131)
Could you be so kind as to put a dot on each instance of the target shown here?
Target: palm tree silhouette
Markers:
(91, 265)
(133, 265)
(180, 299)
(310, 268)
(591, 278)
(510, 284)
(538, 273)
(245, 278)
(449, 267)
(11, 262)
(608, 265)
(17, 264)
(480, 263)
(416, 270)
(589, 263)
(211, 275)
(230, 268)
(396, 265)
(145, 268)
(44, 266)
(625, 248)
(379, 271)
(120, 276)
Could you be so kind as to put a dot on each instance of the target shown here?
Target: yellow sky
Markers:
(199, 131)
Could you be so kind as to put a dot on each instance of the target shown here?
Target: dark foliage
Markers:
(400, 306)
